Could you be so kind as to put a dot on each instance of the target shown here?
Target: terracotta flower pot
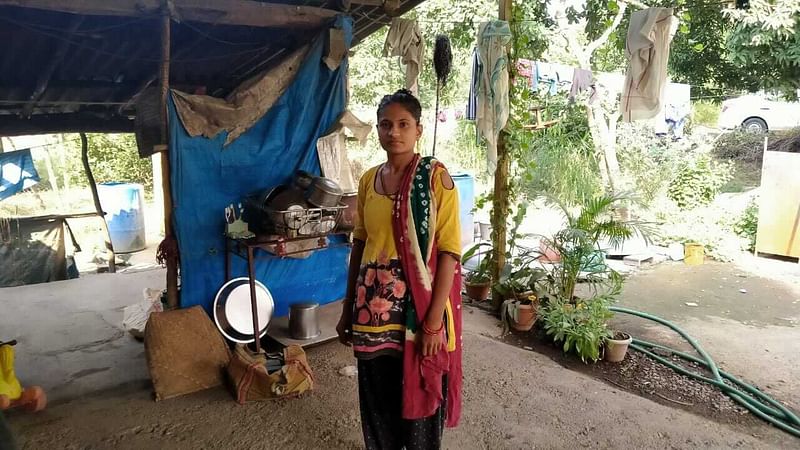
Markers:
(478, 291)
(616, 349)
(527, 317)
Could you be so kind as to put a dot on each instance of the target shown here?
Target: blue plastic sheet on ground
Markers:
(207, 177)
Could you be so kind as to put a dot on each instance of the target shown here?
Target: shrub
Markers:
(580, 326)
(698, 181)
(747, 225)
(705, 113)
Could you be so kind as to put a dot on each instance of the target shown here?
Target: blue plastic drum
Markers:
(123, 204)
(465, 185)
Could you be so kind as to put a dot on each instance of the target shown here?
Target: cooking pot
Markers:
(324, 193)
(303, 321)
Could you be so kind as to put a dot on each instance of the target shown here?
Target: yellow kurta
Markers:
(381, 293)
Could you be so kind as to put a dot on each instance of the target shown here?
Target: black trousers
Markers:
(380, 393)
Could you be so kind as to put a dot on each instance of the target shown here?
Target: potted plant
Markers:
(616, 346)
(580, 322)
(478, 282)
(518, 288)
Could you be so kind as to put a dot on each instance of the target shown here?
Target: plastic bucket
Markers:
(694, 254)
(123, 204)
(465, 185)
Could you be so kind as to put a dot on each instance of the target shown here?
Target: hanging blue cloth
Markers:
(206, 177)
(17, 172)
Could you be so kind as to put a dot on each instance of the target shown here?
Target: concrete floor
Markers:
(513, 399)
(70, 335)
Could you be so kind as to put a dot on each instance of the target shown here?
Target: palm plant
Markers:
(578, 244)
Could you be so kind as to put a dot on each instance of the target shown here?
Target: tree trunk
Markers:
(112, 265)
(51, 177)
(500, 200)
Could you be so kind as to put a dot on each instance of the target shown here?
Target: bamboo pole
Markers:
(112, 264)
(172, 263)
(500, 200)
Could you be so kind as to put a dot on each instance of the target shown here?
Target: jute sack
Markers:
(250, 380)
(185, 352)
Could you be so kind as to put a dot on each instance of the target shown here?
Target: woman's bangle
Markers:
(430, 332)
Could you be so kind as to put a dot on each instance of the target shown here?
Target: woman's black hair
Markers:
(406, 99)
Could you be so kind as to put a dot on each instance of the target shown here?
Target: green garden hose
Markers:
(748, 396)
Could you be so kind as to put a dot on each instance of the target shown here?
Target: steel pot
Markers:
(303, 321)
(323, 193)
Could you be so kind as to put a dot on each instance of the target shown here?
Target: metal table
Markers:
(271, 247)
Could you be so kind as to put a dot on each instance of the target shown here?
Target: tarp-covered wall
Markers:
(207, 176)
(32, 250)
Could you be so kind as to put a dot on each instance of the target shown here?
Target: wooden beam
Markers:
(112, 264)
(13, 125)
(55, 60)
(248, 13)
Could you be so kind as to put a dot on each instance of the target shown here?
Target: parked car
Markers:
(757, 113)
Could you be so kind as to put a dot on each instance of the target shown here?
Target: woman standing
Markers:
(402, 311)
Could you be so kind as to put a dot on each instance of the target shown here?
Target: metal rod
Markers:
(112, 266)
(253, 304)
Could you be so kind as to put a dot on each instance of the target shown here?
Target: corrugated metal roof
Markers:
(95, 65)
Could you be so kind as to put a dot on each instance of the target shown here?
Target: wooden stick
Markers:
(112, 265)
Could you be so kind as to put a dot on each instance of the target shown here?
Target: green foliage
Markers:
(558, 161)
(581, 326)
(112, 157)
(766, 39)
(698, 182)
(747, 225)
(648, 162)
(481, 274)
(580, 323)
(705, 113)
(579, 242)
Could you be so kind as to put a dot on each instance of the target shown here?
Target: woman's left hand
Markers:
(430, 345)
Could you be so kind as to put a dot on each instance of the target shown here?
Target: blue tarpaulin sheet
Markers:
(206, 177)
(17, 172)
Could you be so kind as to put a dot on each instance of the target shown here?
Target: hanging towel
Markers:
(583, 80)
(405, 40)
(472, 101)
(17, 172)
(647, 49)
(332, 150)
(493, 108)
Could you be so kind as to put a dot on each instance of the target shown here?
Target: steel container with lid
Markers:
(323, 193)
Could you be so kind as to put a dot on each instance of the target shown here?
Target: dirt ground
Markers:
(513, 399)
(747, 317)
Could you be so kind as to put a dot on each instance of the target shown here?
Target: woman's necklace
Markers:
(383, 184)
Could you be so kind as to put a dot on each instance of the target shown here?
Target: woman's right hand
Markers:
(345, 328)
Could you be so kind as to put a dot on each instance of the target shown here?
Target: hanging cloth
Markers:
(332, 150)
(493, 106)
(472, 101)
(405, 40)
(17, 172)
(647, 49)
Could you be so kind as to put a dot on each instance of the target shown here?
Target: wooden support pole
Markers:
(172, 263)
(112, 264)
(500, 200)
